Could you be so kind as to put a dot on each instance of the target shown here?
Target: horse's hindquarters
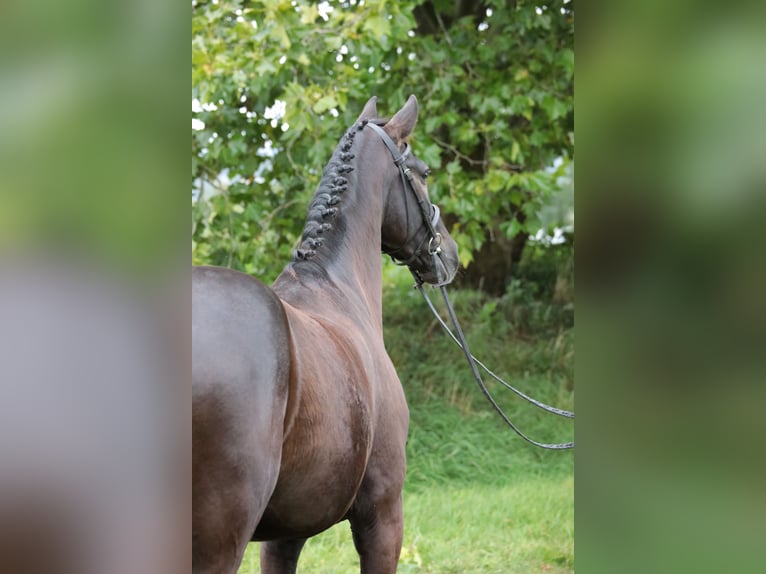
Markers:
(240, 367)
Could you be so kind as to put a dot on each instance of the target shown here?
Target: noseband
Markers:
(431, 219)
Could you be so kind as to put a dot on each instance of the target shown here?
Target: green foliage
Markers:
(494, 80)
(539, 299)
(523, 334)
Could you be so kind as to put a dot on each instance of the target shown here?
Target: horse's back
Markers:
(239, 329)
(240, 370)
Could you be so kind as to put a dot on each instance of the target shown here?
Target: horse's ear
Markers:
(370, 110)
(401, 125)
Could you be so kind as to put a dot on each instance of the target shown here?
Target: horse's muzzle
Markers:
(439, 265)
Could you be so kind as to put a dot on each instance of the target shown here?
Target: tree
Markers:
(275, 84)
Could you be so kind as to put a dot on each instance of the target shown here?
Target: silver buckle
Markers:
(435, 249)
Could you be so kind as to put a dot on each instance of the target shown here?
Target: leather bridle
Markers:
(431, 243)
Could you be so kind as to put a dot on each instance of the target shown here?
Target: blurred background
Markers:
(93, 287)
(671, 277)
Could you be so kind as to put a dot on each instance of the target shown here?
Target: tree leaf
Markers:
(325, 103)
(515, 149)
(378, 26)
(309, 14)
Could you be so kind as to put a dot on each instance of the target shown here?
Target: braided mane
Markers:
(325, 205)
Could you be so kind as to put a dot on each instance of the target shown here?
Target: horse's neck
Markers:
(347, 267)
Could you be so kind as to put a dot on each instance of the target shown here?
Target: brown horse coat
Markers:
(299, 418)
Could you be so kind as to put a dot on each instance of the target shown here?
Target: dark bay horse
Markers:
(299, 420)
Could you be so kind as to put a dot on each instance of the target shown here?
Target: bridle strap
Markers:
(398, 157)
(430, 219)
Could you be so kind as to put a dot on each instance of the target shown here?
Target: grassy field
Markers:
(477, 498)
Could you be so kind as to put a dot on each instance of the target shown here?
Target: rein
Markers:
(434, 249)
(473, 362)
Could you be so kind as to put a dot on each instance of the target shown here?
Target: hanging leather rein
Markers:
(434, 250)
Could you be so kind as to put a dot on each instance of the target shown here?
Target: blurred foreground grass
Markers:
(94, 401)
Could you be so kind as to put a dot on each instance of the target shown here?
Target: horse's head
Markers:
(413, 232)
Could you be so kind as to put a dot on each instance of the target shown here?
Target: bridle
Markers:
(434, 250)
(431, 243)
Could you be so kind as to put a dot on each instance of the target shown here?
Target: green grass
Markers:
(477, 498)
(522, 527)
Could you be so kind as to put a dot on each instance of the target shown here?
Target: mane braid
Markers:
(325, 205)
